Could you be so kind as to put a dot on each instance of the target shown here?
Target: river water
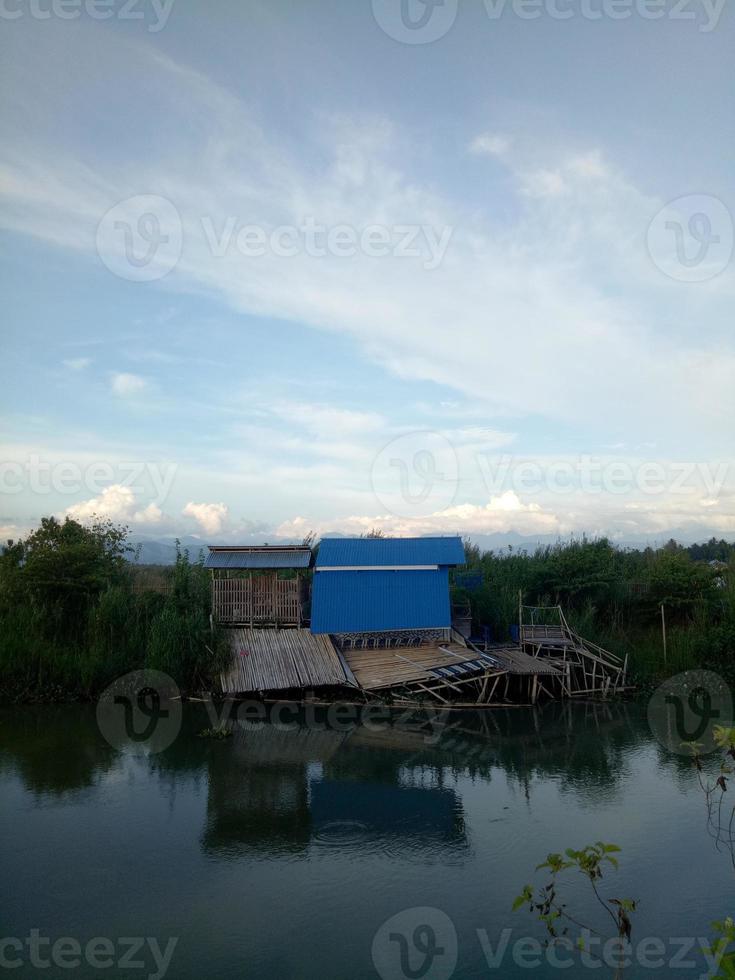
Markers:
(282, 851)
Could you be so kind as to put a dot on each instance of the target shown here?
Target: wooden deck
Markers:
(518, 662)
(551, 661)
(275, 660)
(397, 666)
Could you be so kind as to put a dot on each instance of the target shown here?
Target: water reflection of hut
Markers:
(423, 815)
(274, 790)
(259, 788)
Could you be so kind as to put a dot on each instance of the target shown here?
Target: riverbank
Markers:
(75, 614)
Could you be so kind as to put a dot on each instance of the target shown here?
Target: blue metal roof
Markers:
(258, 557)
(363, 601)
(390, 551)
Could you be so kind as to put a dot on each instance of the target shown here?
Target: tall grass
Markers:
(123, 629)
(613, 597)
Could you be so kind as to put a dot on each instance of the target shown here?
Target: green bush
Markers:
(71, 620)
(613, 596)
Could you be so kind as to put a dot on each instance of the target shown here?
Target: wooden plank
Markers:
(387, 667)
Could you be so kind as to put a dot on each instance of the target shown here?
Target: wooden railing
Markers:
(531, 633)
(262, 599)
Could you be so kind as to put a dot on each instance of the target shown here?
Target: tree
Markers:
(62, 568)
(679, 583)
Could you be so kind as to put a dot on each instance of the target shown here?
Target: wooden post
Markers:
(663, 632)
(520, 618)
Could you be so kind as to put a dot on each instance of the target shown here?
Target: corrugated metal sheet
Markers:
(258, 558)
(391, 551)
(356, 602)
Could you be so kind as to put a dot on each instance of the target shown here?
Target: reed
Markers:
(68, 636)
(613, 596)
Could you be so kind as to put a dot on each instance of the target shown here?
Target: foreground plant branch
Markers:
(720, 826)
(720, 813)
(553, 913)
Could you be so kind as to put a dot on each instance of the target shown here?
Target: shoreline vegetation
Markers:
(73, 617)
(613, 597)
(75, 613)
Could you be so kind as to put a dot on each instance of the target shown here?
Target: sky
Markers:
(272, 268)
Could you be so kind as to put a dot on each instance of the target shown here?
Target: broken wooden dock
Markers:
(550, 662)
(588, 668)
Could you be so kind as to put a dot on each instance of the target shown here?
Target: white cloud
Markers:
(489, 144)
(210, 517)
(551, 309)
(501, 514)
(77, 363)
(326, 421)
(125, 385)
(116, 503)
(11, 532)
(590, 165)
(545, 183)
(655, 519)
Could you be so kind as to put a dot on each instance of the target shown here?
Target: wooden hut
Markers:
(259, 585)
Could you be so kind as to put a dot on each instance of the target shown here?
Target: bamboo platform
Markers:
(276, 660)
(549, 661)
(398, 666)
(517, 662)
(588, 668)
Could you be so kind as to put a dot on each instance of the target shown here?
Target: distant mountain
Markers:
(163, 552)
(520, 542)
(152, 552)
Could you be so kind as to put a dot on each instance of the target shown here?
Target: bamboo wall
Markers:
(260, 599)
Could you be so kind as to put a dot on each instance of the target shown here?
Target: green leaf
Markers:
(524, 898)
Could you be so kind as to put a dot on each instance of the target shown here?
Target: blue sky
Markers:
(555, 313)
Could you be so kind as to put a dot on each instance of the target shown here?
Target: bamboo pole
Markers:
(520, 618)
(663, 632)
